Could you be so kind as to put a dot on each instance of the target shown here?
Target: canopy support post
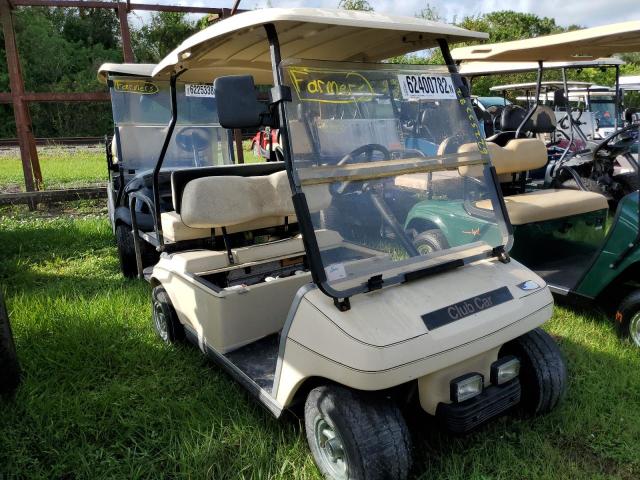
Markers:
(617, 98)
(529, 114)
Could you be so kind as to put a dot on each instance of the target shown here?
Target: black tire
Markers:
(430, 241)
(627, 318)
(629, 182)
(164, 317)
(9, 366)
(543, 372)
(127, 252)
(373, 438)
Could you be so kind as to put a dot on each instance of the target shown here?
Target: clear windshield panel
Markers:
(142, 111)
(391, 158)
(604, 109)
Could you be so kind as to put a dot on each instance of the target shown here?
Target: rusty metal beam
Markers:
(58, 97)
(114, 6)
(125, 34)
(28, 152)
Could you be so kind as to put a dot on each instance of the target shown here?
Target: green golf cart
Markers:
(565, 235)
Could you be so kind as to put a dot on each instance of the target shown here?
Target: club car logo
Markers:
(140, 87)
(465, 308)
(327, 86)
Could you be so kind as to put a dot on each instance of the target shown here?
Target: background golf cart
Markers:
(9, 367)
(252, 307)
(563, 235)
(141, 164)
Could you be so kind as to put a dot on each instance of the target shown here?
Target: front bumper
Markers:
(465, 416)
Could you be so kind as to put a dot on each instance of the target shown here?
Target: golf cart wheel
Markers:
(356, 436)
(543, 372)
(627, 318)
(126, 251)
(165, 318)
(430, 241)
(9, 367)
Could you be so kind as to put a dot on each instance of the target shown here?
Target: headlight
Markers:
(466, 387)
(505, 369)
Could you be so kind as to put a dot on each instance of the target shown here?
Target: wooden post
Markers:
(28, 151)
(237, 136)
(125, 34)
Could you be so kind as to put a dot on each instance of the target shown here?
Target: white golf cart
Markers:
(342, 314)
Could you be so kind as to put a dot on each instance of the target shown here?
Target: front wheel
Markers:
(543, 372)
(9, 367)
(356, 436)
(627, 318)
(430, 241)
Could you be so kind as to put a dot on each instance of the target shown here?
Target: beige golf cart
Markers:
(340, 312)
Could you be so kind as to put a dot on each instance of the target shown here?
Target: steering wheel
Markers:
(193, 139)
(609, 149)
(367, 151)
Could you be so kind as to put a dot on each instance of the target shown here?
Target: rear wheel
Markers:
(165, 319)
(627, 318)
(543, 373)
(356, 436)
(9, 367)
(430, 241)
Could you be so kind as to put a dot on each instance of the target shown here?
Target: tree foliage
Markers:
(361, 5)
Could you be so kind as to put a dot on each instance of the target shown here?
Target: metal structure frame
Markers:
(20, 99)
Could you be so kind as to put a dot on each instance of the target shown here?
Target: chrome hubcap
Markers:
(159, 320)
(332, 454)
(634, 329)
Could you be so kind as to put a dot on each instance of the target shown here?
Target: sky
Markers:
(589, 13)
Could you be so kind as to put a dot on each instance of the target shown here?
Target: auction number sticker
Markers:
(199, 90)
(428, 87)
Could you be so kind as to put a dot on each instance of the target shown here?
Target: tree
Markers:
(162, 34)
(361, 5)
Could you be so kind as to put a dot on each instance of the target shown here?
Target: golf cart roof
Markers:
(237, 45)
(588, 43)
(477, 68)
(630, 82)
(126, 69)
(548, 85)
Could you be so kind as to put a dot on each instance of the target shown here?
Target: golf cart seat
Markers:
(240, 204)
(524, 154)
(510, 119)
(175, 230)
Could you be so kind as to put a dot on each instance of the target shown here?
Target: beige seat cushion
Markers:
(519, 155)
(227, 201)
(174, 230)
(549, 204)
(199, 261)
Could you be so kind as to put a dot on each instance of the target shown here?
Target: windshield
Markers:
(604, 110)
(391, 158)
(493, 101)
(141, 113)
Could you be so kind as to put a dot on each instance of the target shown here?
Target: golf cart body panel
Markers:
(611, 262)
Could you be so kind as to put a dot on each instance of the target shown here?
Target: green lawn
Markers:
(61, 168)
(103, 398)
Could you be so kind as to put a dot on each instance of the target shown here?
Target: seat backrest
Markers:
(511, 118)
(543, 120)
(226, 201)
(180, 178)
(519, 155)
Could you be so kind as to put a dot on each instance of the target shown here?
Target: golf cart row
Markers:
(305, 279)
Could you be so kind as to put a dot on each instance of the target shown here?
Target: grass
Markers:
(61, 168)
(103, 398)
(68, 167)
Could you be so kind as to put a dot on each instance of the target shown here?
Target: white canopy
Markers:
(630, 82)
(239, 45)
(548, 84)
(477, 68)
(127, 69)
(588, 43)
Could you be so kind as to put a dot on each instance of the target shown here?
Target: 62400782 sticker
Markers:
(428, 87)
(199, 90)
